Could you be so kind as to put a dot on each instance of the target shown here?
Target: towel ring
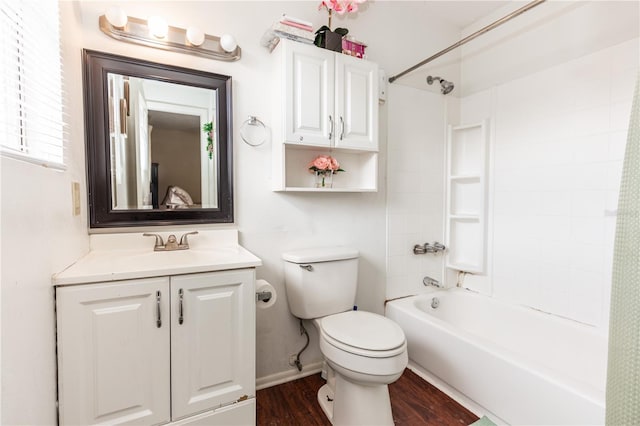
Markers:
(253, 131)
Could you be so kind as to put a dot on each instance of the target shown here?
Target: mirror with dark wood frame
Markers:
(159, 146)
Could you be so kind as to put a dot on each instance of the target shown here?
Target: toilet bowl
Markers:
(364, 351)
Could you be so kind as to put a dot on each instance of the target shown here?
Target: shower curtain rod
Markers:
(469, 38)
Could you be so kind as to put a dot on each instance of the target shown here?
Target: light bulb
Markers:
(195, 36)
(158, 26)
(116, 17)
(228, 43)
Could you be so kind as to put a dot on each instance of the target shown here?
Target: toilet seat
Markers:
(363, 333)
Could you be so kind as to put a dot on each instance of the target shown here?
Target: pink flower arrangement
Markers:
(324, 164)
(340, 6)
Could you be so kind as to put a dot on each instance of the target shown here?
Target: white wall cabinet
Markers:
(325, 103)
(158, 350)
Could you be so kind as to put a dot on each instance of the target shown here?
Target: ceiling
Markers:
(554, 33)
(463, 13)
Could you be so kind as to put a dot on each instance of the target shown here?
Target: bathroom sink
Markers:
(109, 262)
(156, 260)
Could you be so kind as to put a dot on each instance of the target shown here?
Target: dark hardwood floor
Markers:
(413, 401)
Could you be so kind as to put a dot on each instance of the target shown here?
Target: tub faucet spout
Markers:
(428, 281)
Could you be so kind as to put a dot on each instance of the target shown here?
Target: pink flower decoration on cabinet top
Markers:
(341, 6)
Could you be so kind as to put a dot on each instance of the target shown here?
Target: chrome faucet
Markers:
(172, 242)
(428, 281)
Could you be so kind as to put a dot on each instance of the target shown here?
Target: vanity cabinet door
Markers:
(212, 340)
(113, 352)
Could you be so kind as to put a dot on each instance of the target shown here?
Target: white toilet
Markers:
(365, 351)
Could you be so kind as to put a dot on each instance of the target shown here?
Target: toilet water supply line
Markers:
(303, 330)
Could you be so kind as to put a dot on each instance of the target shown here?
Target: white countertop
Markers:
(116, 257)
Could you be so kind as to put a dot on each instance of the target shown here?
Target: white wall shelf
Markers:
(360, 175)
(466, 197)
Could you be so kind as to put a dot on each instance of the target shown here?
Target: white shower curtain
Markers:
(623, 374)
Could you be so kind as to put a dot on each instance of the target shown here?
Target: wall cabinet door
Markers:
(330, 99)
(356, 103)
(113, 352)
(309, 95)
(213, 340)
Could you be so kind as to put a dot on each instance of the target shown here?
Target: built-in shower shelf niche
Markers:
(467, 197)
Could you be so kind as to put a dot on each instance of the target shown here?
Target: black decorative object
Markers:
(331, 40)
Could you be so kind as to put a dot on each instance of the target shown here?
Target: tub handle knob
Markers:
(436, 247)
(419, 249)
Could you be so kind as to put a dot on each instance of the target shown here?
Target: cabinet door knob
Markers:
(180, 307)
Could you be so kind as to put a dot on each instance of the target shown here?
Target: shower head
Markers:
(445, 86)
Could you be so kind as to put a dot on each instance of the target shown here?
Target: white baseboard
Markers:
(452, 393)
(288, 376)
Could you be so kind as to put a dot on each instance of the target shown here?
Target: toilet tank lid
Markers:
(320, 254)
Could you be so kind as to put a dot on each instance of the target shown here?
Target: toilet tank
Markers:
(320, 281)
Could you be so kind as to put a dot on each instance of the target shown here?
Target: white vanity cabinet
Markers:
(156, 350)
(325, 103)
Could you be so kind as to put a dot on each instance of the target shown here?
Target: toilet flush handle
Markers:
(307, 267)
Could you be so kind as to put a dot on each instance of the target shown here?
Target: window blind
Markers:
(31, 116)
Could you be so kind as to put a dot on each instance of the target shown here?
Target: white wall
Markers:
(559, 104)
(556, 83)
(40, 237)
(550, 34)
(415, 193)
(558, 143)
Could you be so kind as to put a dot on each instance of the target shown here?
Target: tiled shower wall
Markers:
(415, 167)
(558, 139)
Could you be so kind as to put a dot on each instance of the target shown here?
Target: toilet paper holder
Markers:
(263, 296)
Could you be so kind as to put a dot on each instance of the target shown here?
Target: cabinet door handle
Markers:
(341, 128)
(158, 312)
(331, 127)
(180, 307)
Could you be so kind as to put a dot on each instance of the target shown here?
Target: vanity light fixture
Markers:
(228, 43)
(116, 17)
(158, 26)
(195, 36)
(155, 32)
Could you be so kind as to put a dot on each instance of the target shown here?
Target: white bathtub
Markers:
(520, 365)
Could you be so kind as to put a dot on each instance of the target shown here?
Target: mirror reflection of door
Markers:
(143, 135)
(175, 142)
(160, 125)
